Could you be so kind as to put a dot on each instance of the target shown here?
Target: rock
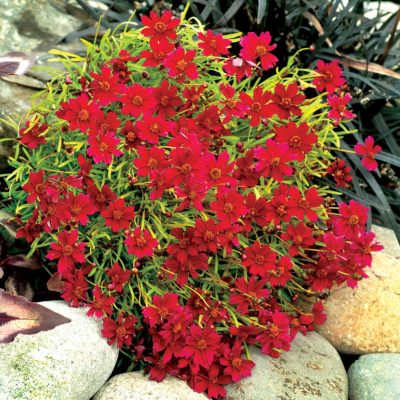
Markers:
(388, 239)
(311, 370)
(135, 386)
(69, 362)
(375, 376)
(366, 319)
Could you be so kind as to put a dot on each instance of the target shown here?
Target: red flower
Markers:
(137, 100)
(249, 294)
(105, 87)
(192, 193)
(280, 275)
(206, 234)
(245, 171)
(330, 76)
(121, 331)
(30, 229)
(141, 243)
(236, 366)
(100, 197)
(239, 68)
(118, 216)
(160, 29)
(368, 150)
(212, 44)
(67, 251)
(150, 161)
(105, 123)
(33, 135)
(297, 136)
(119, 277)
(338, 110)
(219, 170)
(340, 172)
(78, 208)
(102, 147)
(259, 258)
(287, 100)
(229, 206)
(363, 246)
(75, 288)
(257, 107)
(157, 55)
(300, 235)
(201, 346)
(300, 207)
(232, 106)
(276, 336)
(273, 160)
(152, 128)
(352, 220)
(167, 99)
(79, 112)
(210, 381)
(101, 304)
(257, 210)
(163, 307)
(180, 64)
(258, 47)
(36, 187)
(130, 132)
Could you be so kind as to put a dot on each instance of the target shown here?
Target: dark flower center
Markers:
(181, 65)
(261, 50)
(259, 260)
(255, 107)
(103, 147)
(83, 115)
(67, 250)
(353, 220)
(215, 173)
(160, 27)
(104, 86)
(228, 208)
(152, 163)
(236, 362)
(201, 344)
(141, 241)
(295, 141)
(137, 101)
(117, 214)
(120, 331)
(186, 169)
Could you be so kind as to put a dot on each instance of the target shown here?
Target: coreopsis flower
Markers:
(258, 106)
(30, 229)
(36, 187)
(158, 53)
(160, 28)
(338, 111)
(316, 317)
(245, 171)
(211, 381)
(298, 137)
(280, 275)
(213, 44)
(150, 128)
(236, 366)
(105, 123)
(102, 197)
(117, 216)
(121, 331)
(304, 206)
(101, 303)
(273, 160)
(259, 258)
(75, 288)
(191, 195)
(330, 76)
(78, 208)
(79, 112)
(276, 335)
(180, 64)
(105, 86)
(248, 293)
(352, 220)
(141, 243)
(368, 151)
(102, 147)
(33, 135)
(184, 247)
(206, 235)
(59, 184)
(257, 210)
(301, 237)
(201, 346)
(277, 208)
(137, 100)
(119, 277)
(334, 247)
(131, 135)
(286, 101)
(231, 105)
(254, 47)
(167, 98)
(229, 206)
(218, 169)
(68, 251)
(150, 161)
(340, 172)
(362, 247)
(162, 307)
(238, 67)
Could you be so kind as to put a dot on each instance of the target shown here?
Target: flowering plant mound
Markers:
(173, 192)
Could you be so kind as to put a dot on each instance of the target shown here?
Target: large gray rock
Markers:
(69, 362)
(375, 376)
(135, 386)
(366, 319)
(311, 370)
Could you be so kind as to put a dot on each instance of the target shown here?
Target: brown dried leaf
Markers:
(55, 283)
(19, 316)
(20, 260)
(15, 63)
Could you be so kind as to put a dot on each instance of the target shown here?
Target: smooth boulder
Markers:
(311, 370)
(136, 386)
(69, 362)
(375, 376)
(366, 319)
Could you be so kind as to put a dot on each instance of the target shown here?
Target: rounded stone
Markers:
(366, 319)
(71, 361)
(136, 386)
(387, 238)
(375, 376)
(311, 370)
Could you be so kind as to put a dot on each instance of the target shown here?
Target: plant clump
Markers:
(173, 190)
